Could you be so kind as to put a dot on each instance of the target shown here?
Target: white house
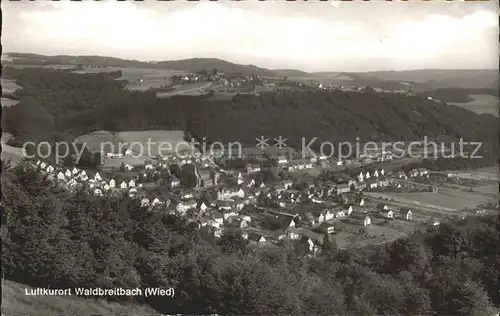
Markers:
(362, 202)
(131, 183)
(61, 176)
(98, 192)
(145, 202)
(112, 183)
(367, 175)
(128, 167)
(287, 184)
(97, 177)
(68, 173)
(360, 177)
(50, 169)
(83, 174)
(156, 201)
(106, 187)
(375, 173)
(282, 160)
(132, 191)
(387, 214)
(185, 206)
(382, 172)
(406, 214)
(123, 185)
(43, 165)
(348, 209)
(74, 171)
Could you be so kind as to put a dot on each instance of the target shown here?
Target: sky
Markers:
(310, 36)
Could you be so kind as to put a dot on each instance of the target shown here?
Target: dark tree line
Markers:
(53, 237)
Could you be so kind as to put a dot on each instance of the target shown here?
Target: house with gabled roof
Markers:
(61, 176)
(361, 218)
(256, 238)
(389, 214)
(112, 183)
(326, 228)
(68, 173)
(343, 188)
(406, 213)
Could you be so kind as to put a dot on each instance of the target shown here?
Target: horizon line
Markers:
(240, 64)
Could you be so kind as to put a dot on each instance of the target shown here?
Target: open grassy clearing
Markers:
(152, 78)
(100, 139)
(43, 66)
(161, 142)
(9, 102)
(9, 86)
(117, 162)
(198, 88)
(14, 154)
(480, 103)
(16, 302)
(438, 200)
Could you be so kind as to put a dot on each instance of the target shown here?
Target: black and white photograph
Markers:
(250, 158)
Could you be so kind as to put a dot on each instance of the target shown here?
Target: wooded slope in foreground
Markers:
(50, 236)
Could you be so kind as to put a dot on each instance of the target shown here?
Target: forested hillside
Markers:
(50, 236)
(60, 105)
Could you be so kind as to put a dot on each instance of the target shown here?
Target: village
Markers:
(269, 210)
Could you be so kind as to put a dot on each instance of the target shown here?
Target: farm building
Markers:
(406, 213)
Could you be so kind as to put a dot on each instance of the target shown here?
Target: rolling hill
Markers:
(422, 79)
(190, 65)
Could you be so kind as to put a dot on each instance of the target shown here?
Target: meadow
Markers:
(93, 141)
(480, 103)
(14, 154)
(9, 102)
(152, 78)
(444, 201)
(155, 138)
(9, 86)
(187, 89)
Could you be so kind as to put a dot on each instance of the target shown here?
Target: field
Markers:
(13, 154)
(9, 86)
(157, 138)
(481, 103)
(187, 89)
(9, 102)
(94, 141)
(152, 78)
(43, 66)
(466, 199)
(16, 302)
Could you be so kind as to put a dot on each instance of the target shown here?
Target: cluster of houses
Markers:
(214, 205)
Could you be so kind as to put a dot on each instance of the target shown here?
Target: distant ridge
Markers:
(422, 79)
(190, 65)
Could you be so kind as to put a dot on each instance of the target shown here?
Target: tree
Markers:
(122, 167)
(329, 245)
(6, 165)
